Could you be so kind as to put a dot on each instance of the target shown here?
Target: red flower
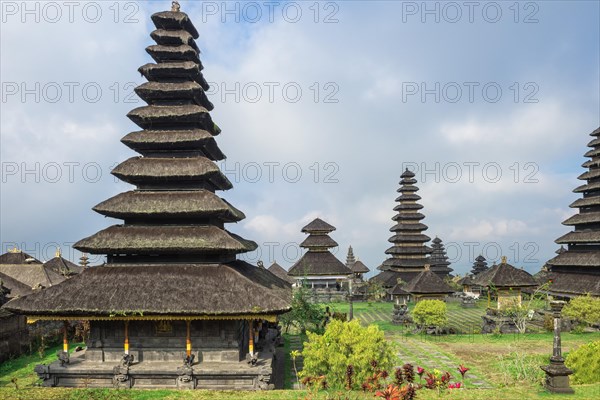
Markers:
(420, 371)
(463, 370)
(456, 385)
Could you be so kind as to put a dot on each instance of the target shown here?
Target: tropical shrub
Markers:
(430, 313)
(345, 344)
(304, 314)
(584, 308)
(585, 363)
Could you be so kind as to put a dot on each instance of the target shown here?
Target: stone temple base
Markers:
(491, 323)
(238, 375)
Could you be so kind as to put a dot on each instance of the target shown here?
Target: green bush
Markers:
(430, 313)
(584, 308)
(585, 363)
(304, 314)
(344, 344)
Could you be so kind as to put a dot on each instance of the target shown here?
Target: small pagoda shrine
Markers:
(576, 271)
(507, 283)
(427, 285)
(408, 255)
(480, 265)
(62, 266)
(172, 307)
(318, 269)
(439, 260)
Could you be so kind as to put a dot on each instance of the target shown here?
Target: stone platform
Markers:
(235, 375)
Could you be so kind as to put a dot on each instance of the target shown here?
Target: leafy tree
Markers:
(584, 308)
(585, 363)
(304, 314)
(521, 314)
(345, 344)
(375, 291)
(430, 313)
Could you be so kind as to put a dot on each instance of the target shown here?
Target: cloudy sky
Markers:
(322, 105)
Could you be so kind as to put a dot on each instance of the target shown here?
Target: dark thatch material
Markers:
(480, 265)
(504, 275)
(573, 284)
(588, 187)
(169, 239)
(398, 290)
(189, 115)
(18, 257)
(416, 264)
(408, 217)
(178, 92)
(17, 288)
(281, 273)
(428, 282)
(174, 38)
(408, 250)
(350, 259)
(201, 289)
(153, 142)
(62, 266)
(162, 53)
(587, 259)
(580, 237)
(466, 280)
(170, 20)
(318, 226)
(169, 204)
(389, 278)
(438, 259)
(318, 263)
(322, 241)
(403, 237)
(186, 70)
(358, 267)
(139, 170)
(32, 275)
(586, 202)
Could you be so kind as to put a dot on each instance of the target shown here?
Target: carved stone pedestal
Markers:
(557, 374)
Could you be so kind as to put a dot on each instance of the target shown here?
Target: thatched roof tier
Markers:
(164, 239)
(400, 227)
(408, 197)
(465, 281)
(17, 288)
(62, 266)
(588, 187)
(18, 257)
(408, 216)
(586, 259)
(590, 163)
(407, 189)
(174, 38)
(358, 267)
(389, 278)
(322, 241)
(170, 20)
(591, 174)
(596, 132)
(350, 259)
(175, 92)
(172, 116)
(32, 275)
(176, 290)
(408, 206)
(571, 284)
(174, 71)
(318, 263)
(398, 290)
(580, 237)
(157, 205)
(586, 202)
(152, 142)
(318, 226)
(416, 263)
(406, 250)
(140, 170)
(504, 275)
(583, 218)
(279, 272)
(409, 238)
(592, 153)
(428, 282)
(479, 265)
(183, 52)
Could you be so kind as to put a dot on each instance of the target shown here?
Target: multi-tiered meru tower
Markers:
(172, 307)
(439, 260)
(576, 271)
(409, 252)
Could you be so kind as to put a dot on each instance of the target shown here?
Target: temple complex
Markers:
(576, 271)
(408, 254)
(439, 260)
(318, 269)
(172, 307)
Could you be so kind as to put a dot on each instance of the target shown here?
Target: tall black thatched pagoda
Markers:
(172, 307)
(576, 271)
(438, 259)
(409, 252)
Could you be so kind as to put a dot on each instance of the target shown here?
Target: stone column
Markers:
(557, 374)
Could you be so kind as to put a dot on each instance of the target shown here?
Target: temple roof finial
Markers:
(57, 253)
(503, 260)
(175, 7)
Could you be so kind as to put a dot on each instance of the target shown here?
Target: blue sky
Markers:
(359, 120)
